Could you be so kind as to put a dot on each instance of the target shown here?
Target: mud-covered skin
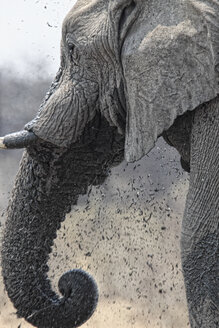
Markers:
(47, 185)
(139, 67)
(201, 272)
(195, 136)
(200, 227)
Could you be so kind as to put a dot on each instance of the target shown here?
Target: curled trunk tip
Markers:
(79, 301)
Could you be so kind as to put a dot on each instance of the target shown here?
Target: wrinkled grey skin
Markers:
(130, 72)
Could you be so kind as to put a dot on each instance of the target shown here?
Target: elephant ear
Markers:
(168, 68)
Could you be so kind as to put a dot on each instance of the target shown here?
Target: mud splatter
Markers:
(125, 233)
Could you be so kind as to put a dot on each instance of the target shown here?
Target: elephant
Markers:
(130, 72)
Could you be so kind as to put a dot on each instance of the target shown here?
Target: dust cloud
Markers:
(126, 233)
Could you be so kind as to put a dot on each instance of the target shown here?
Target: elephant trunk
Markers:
(39, 203)
(48, 183)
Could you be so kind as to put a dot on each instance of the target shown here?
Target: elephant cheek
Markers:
(64, 116)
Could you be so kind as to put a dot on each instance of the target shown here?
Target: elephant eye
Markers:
(72, 49)
(70, 43)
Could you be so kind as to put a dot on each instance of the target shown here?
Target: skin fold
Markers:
(48, 183)
(124, 81)
(200, 227)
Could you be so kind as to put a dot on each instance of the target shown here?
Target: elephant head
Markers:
(128, 69)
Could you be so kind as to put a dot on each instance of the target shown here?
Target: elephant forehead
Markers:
(86, 19)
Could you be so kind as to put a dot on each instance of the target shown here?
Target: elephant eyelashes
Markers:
(72, 49)
(73, 52)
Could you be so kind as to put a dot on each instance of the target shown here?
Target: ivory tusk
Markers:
(17, 140)
(2, 145)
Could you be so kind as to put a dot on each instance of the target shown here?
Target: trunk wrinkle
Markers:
(49, 181)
